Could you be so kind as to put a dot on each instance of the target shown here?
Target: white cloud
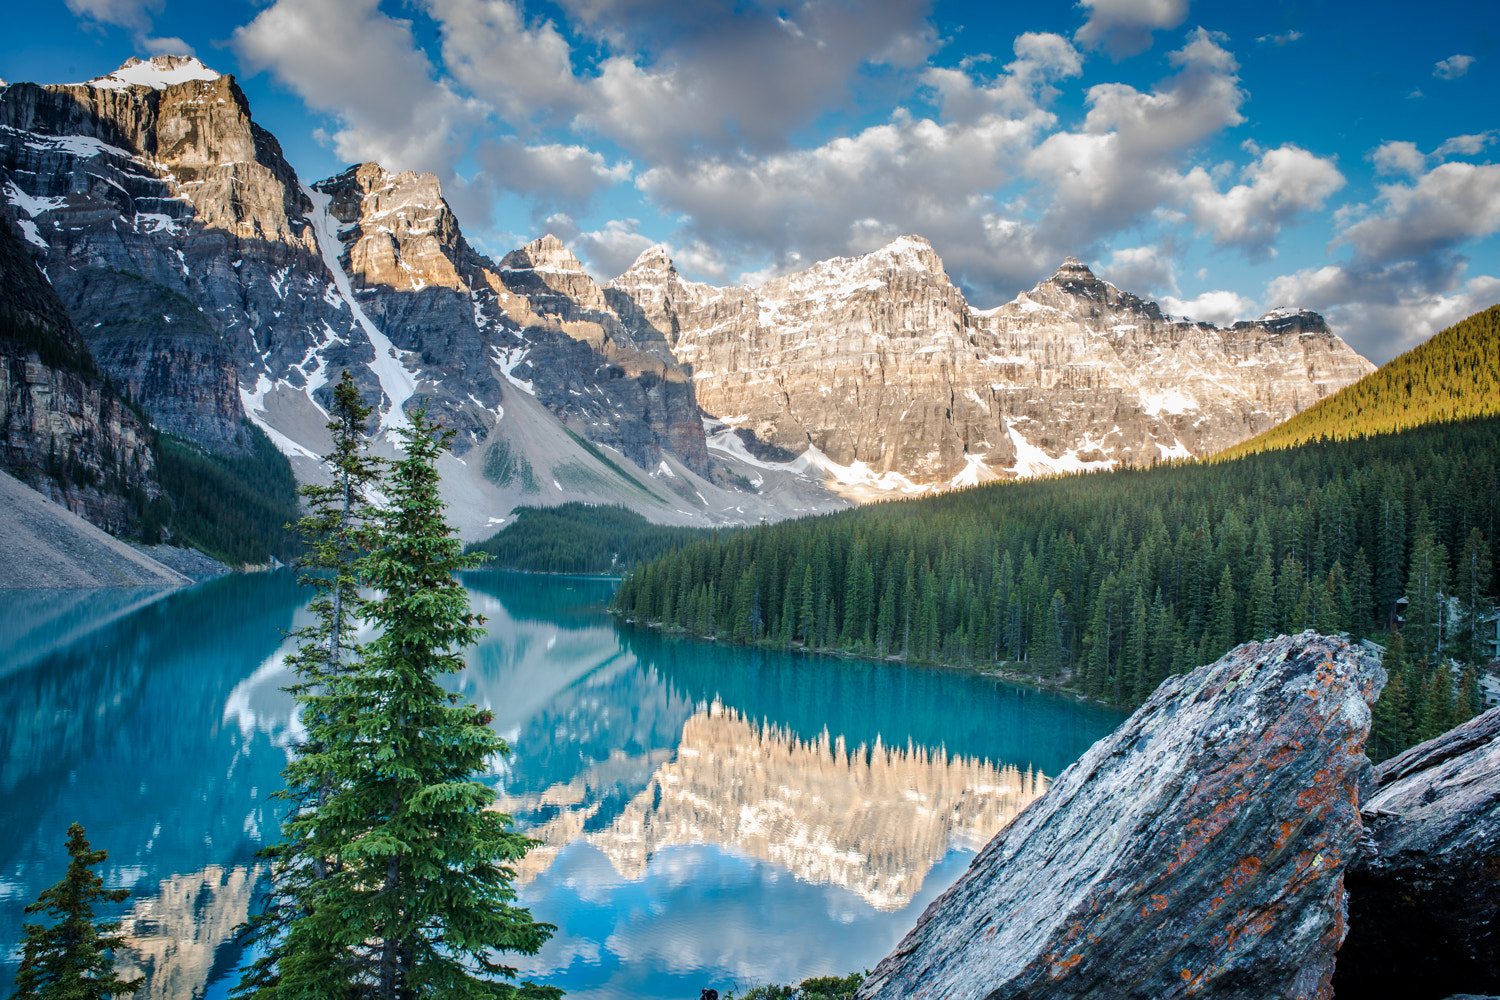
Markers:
(1218, 307)
(1022, 88)
(1452, 68)
(1399, 158)
(552, 173)
(1142, 270)
(1465, 145)
(1280, 40)
(348, 59)
(1124, 27)
(1385, 311)
(524, 70)
(1124, 163)
(609, 251)
(133, 14)
(1278, 185)
(1448, 205)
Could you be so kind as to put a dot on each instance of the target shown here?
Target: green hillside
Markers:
(1111, 581)
(1453, 376)
(580, 538)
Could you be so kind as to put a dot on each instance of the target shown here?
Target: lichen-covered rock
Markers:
(1424, 890)
(1199, 850)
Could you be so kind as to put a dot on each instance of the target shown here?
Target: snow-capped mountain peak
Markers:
(158, 73)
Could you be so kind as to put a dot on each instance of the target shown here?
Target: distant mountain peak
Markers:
(1072, 269)
(653, 258)
(158, 73)
(546, 253)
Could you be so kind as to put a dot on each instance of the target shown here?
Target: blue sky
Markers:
(1220, 156)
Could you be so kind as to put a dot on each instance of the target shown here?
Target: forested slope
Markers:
(580, 538)
(1112, 581)
(1453, 376)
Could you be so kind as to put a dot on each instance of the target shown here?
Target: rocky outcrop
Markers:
(1199, 850)
(63, 429)
(1424, 890)
(880, 364)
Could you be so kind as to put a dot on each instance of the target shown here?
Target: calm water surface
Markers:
(709, 816)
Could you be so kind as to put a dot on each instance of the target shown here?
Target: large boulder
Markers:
(1199, 850)
(1424, 889)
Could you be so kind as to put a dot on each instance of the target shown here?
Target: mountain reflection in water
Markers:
(873, 820)
(710, 815)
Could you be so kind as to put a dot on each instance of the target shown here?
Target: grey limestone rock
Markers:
(1424, 890)
(1198, 851)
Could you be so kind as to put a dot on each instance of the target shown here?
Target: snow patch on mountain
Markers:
(396, 380)
(158, 73)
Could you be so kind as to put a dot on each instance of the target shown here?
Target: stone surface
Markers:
(879, 363)
(1424, 890)
(1199, 850)
(55, 411)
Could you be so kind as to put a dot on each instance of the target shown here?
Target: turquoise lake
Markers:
(709, 815)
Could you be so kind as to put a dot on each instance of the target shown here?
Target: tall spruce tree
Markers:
(303, 957)
(423, 894)
(70, 960)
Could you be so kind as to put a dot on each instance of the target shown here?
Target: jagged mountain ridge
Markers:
(879, 370)
(213, 284)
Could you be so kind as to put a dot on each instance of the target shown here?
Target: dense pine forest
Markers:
(580, 538)
(1112, 581)
(1453, 376)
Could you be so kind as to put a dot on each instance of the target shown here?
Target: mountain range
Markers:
(213, 286)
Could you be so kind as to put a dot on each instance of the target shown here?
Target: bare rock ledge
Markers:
(1424, 889)
(1198, 851)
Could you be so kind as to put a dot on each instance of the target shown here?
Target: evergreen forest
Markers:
(580, 538)
(1453, 376)
(1109, 582)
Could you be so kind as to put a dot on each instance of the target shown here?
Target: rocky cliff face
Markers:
(879, 365)
(1199, 850)
(210, 282)
(1424, 889)
(63, 430)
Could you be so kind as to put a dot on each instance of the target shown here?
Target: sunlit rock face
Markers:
(1198, 850)
(173, 938)
(879, 365)
(873, 820)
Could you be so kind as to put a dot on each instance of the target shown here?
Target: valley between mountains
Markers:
(219, 291)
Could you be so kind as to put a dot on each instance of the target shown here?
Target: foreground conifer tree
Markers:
(70, 960)
(394, 879)
(302, 957)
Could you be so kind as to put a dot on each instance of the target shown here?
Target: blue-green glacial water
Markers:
(710, 816)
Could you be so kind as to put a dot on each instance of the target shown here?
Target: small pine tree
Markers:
(70, 960)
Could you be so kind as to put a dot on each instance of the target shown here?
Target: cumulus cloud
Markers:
(1219, 307)
(550, 174)
(1399, 158)
(1452, 68)
(608, 251)
(1141, 270)
(1024, 86)
(1449, 205)
(1279, 184)
(1465, 145)
(134, 15)
(350, 60)
(679, 79)
(1383, 311)
(1125, 161)
(1125, 27)
(524, 70)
